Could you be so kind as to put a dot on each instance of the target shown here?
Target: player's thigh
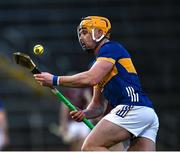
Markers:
(142, 144)
(106, 134)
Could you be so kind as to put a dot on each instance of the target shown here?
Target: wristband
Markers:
(55, 80)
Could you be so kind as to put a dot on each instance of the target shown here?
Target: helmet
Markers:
(92, 22)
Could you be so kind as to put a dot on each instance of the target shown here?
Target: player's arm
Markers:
(95, 108)
(84, 79)
(4, 127)
(88, 78)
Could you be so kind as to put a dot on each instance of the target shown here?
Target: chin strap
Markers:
(93, 36)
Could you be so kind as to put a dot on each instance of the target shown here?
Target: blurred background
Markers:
(149, 29)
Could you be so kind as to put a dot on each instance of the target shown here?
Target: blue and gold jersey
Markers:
(121, 85)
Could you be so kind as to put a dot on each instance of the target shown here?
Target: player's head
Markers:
(92, 30)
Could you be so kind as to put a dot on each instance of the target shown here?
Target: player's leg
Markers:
(105, 135)
(142, 144)
(146, 140)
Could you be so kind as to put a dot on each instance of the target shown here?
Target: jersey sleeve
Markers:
(110, 52)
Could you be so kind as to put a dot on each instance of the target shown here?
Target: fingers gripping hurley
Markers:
(25, 61)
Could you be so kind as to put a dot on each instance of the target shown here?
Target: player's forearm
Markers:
(97, 105)
(93, 113)
(84, 79)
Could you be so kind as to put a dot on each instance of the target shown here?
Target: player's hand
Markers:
(77, 115)
(44, 79)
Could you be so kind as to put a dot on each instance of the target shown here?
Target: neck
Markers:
(99, 46)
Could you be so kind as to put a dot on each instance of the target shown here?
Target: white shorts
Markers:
(139, 120)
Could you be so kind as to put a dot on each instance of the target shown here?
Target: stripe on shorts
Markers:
(122, 112)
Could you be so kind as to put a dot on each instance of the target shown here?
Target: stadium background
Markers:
(149, 29)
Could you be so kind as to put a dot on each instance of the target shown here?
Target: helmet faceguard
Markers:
(95, 22)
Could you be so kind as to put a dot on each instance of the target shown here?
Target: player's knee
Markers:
(86, 147)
